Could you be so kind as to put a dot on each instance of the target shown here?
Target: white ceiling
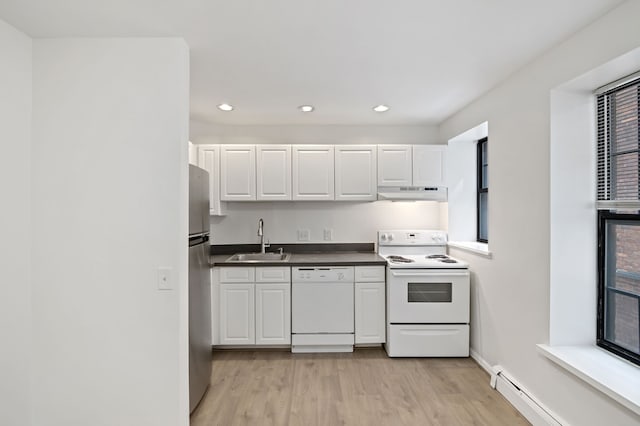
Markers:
(424, 58)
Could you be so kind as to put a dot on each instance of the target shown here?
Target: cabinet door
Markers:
(193, 154)
(273, 314)
(394, 165)
(215, 306)
(370, 312)
(273, 172)
(237, 314)
(313, 177)
(356, 172)
(209, 159)
(429, 165)
(238, 172)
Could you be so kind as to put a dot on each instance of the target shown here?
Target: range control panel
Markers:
(319, 274)
(420, 237)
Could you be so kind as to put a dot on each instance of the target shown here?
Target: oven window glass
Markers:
(429, 292)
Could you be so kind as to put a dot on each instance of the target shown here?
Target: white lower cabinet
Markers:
(252, 305)
(273, 314)
(237, 314)
(370, 324)
(255, 310)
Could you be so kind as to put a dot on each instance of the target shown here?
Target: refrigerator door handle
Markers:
(198, 235)
(196, 239)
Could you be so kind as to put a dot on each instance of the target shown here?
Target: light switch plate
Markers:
(328, 234)
(165, 281)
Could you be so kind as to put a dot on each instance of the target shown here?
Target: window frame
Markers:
(604, 216)
(480, 189)
(614, 206)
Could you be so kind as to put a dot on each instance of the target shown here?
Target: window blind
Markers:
(618, 142)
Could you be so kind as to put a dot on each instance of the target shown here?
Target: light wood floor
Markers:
(363, 388)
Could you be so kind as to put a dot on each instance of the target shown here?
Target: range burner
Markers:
(442, 258)
(399, 259)
(437, 256)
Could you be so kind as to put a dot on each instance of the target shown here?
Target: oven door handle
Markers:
(425, 273)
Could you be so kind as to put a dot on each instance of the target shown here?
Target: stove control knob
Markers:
(390, 237)
(383, 237)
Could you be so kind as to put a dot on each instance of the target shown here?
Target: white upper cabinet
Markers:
(273, 167)
(209, 159)
(193, 154)
(355, 172)
(407, 165)
(394, 165)
(429, 165)
(238, 172)
(317, 172)
(313, 172)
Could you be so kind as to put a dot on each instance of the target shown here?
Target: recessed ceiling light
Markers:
(306, 108)
(381, 108)
(225, 107)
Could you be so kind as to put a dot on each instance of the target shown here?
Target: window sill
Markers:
(611, 375)
(474, 247)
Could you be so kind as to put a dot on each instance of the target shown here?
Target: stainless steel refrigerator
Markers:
(199, 286)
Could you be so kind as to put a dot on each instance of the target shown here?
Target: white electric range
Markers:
(428, 295)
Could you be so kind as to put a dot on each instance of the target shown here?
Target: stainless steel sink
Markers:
(259, 257)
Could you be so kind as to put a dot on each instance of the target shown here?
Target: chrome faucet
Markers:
(263, 245)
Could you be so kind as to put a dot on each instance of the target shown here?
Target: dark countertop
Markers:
(311, 259)
(309, 254)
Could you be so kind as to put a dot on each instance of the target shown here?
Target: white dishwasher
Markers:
(322, 309)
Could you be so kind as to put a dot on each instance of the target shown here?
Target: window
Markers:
(618, 132)
(482, 234)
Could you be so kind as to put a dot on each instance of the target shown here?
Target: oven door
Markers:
(419, 296)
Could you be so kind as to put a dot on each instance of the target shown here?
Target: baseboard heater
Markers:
(522, 400)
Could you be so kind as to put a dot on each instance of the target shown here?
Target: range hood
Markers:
(412, 193)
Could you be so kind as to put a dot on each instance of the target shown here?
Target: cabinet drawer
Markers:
(275, 274)
(370, 274)
(237, 275)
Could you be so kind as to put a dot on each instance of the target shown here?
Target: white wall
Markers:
(350, 222)
(573, 234)
(15, 263)
(462, 179)
(202, 132)
(511, 291)
(573, 200)
(109, 173)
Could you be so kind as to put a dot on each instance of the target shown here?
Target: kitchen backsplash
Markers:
(345, 222)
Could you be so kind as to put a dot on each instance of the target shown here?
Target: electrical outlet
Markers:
(328, 234)
(304, 235)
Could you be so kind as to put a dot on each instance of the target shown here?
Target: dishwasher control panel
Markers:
(318, 274)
